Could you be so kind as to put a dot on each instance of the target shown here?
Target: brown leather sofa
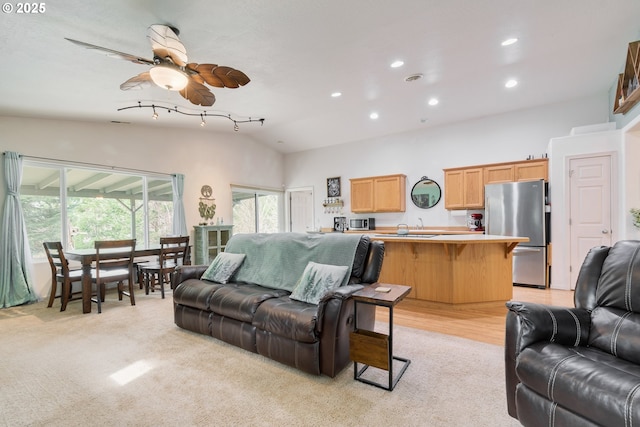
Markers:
(580, 366)
(309, 337)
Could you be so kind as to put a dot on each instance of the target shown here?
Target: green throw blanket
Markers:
(278, 260)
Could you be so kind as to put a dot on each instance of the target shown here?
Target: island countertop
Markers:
(449, 238)
(451, 269)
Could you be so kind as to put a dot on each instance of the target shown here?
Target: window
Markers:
(257, 210)
(78, 205)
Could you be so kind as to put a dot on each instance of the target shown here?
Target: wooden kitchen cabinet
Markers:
(499, 173)
(532, 170)
(464, 188)
(362, 195)
(379, 194)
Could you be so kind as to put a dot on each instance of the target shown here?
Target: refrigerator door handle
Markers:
(522, 250)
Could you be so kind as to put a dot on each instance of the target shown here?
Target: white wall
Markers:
(560, 150)
(506, 137)
(204, 157)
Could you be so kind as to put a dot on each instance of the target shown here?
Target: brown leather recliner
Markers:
(309, 337)
(580, 366)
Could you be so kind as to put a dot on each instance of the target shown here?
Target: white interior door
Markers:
(301, 210)
(590, 207)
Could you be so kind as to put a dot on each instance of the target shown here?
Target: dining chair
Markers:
(174, 251)
(61, 273)
(114, 264)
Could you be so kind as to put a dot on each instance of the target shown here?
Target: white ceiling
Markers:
(297, 52)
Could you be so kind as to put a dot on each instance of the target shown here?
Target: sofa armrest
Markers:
(537, 322)
(185, 272)
(343, 292)
(528, 323)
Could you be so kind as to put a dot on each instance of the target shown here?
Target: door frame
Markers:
(613, 171)
(287, 205)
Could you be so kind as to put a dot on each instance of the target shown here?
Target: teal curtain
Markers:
(15, 257)
(179, 217)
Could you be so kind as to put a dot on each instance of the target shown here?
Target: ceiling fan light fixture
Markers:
(168, 77)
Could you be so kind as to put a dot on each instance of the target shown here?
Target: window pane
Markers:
(244, 213)
(101, 206)
(261, 207)
(160, 220)
(268, 213)
(40, 200)
(97, 205)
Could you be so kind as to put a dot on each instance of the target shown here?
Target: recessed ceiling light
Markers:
(396, 64)
(511, 83)
(510, 41)
(336, 94)
(433, 101)
(373, 116)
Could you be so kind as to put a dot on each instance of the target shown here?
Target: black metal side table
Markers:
(372, 348)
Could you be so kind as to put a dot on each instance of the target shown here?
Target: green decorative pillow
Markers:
(317, 280)
(223, 267)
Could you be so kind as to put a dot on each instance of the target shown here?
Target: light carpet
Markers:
(59, 369)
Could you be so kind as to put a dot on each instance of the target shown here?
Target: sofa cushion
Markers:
(288, 318)
(240, 301)
(223, 267)
(195, 293)
(616, 332)
(360, 258)
(317, 280)
(587, 381)
(619, 284)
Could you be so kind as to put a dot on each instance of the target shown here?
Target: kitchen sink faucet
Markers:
(421, 226)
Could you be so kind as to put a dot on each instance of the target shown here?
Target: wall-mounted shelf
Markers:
(628, 89)
(333, 205)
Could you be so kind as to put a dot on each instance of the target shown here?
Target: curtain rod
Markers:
(73, 163)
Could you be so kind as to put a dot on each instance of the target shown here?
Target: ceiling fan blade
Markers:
(198, 94)
(113, 53)
(141, 81)
(219, 76)
(204, 71)
(165, 42)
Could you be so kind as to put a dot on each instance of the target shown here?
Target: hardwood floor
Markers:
(480, 322)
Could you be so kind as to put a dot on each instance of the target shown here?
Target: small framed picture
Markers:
(333, 187)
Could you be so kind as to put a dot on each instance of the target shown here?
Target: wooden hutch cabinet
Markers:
(209, 241)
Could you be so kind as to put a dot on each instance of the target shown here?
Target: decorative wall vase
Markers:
(207, 206)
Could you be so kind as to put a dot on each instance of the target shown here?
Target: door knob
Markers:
(605, 231)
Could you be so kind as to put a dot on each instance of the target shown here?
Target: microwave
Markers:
(362, 223)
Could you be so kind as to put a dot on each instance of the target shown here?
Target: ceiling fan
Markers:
(171, 70)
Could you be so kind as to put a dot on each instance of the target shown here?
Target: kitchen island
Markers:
(451, 269)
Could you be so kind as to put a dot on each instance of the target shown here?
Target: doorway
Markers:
(301, 218)
(590, 206)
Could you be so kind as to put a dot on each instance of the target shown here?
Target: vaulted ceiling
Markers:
(297, 53)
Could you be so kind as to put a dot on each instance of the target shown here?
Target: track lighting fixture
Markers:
(202, 115)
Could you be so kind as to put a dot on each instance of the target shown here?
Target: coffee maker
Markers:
(474, 222)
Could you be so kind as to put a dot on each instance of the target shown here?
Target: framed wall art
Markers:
(333, 187)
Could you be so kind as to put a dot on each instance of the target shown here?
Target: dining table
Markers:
(87, 257)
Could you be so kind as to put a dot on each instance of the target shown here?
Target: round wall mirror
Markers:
(426, 193)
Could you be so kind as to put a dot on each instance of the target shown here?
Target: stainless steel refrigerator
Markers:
(519, 209)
